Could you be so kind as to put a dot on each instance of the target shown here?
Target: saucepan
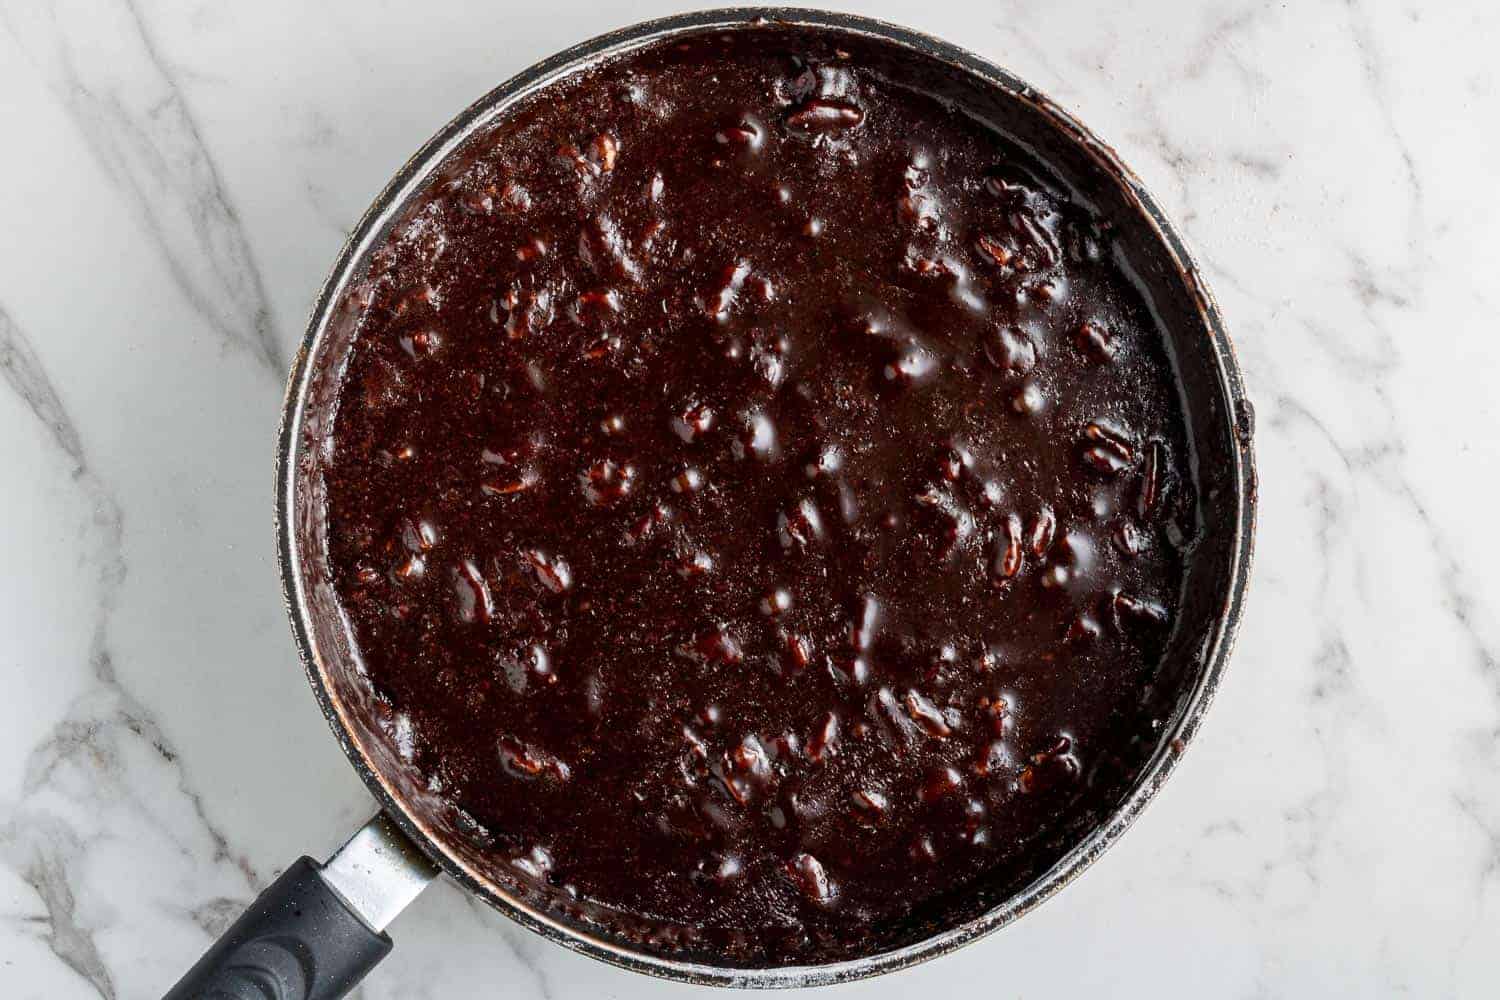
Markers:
(320, 927)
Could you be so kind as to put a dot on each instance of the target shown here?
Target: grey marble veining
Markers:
(102, 65)
(179, 177)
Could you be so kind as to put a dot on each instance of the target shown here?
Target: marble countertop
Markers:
(177, 178)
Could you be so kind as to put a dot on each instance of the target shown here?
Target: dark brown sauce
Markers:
(760, 496)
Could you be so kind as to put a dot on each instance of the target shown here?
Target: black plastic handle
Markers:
(298, 941)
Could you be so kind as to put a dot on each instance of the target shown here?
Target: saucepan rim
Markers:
(1216, 654)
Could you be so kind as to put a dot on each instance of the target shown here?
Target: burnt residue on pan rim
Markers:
(1175, 735)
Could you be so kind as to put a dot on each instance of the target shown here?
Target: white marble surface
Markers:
(177, 177)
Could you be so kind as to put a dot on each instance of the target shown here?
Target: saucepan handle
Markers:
(316, 931)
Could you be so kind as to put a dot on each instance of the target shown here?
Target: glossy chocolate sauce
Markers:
(760, 495)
